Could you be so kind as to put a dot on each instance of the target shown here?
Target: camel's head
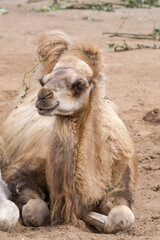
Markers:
(65, 90)
(69, 75)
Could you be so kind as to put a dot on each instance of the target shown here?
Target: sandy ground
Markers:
(133, 83)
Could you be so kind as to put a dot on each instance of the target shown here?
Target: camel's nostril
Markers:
(49, 95)
(45, 93)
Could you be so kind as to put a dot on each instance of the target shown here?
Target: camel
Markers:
(70, 156)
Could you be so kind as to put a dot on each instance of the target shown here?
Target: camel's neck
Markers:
(61, 170)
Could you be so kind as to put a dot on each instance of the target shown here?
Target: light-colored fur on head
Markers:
(86, 151)
(52, 45)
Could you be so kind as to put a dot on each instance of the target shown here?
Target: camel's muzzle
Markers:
(46, 110)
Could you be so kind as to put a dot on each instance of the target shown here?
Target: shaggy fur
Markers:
(86, 161)
(3, 156)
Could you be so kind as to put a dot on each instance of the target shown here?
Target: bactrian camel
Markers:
(70, 157)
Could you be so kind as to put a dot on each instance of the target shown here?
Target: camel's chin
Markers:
(46, 112)
(49, 111)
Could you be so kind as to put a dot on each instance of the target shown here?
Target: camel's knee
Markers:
(35, 213)
(119, 218)
(9, 215)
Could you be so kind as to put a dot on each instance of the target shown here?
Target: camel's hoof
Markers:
(119, 218)
(35, 213)
(9, 215)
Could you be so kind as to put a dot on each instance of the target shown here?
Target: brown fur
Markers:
(86, 161)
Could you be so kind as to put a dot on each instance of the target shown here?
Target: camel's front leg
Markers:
(26, 182)
(119, 218)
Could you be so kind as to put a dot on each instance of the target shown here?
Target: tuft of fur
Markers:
(3, 156)
(52, 45)
(92, 56)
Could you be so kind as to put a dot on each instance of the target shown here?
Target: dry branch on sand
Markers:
(125, 47)
(152, 36)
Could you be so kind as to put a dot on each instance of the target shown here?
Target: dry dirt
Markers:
(133, 83)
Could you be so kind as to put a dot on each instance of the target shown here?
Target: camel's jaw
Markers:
(47, 111)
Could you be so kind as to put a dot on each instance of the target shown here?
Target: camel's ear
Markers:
(100, 79)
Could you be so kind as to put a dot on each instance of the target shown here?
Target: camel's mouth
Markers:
(47, 111)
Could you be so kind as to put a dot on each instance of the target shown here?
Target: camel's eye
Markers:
(78, 86)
